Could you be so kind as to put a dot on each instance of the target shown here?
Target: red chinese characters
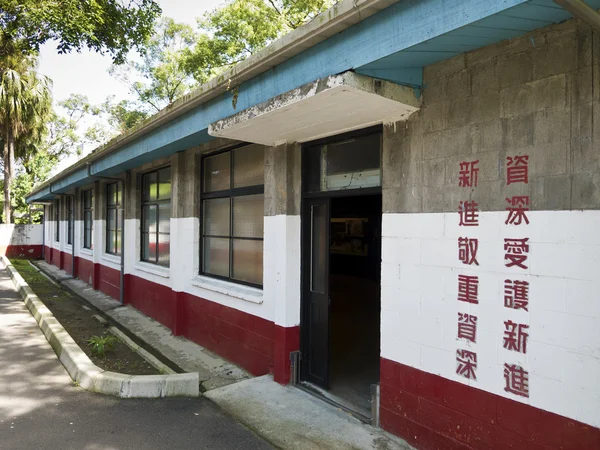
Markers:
(516, 379)
(467, 327)
(466, 364)
(516, 252)
(515, 336)
(468, 285)
(516, 294)
(517, 169)
(517, 210)
(467, 176)
(468, 288)
(467, 250)
(469, 214)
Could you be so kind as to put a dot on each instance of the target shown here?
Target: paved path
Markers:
(40, 408)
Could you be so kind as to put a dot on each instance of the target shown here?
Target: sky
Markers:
(87, 72)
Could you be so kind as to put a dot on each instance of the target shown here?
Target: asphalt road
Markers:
(40, 408)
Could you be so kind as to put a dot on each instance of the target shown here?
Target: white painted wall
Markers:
(282, 259)
(11, 234)
(420, 270)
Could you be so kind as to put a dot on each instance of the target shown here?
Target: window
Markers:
(114, 215)
(57, 220)
(156, 217)
(233, 215)
(70, 220)
(350, 163)
(88, 218)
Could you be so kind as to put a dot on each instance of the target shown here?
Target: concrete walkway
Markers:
(285, 416)
(177, 352)
(41, 408)
(292, 419)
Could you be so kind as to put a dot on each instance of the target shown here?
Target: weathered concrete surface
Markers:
(213, 370)
(324, 107)
(538, 95)
(293, 419)
(283, 180)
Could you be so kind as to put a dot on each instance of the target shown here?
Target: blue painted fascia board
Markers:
(398, 27)
(42, 195)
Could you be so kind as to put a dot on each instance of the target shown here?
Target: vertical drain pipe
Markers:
(122, 274)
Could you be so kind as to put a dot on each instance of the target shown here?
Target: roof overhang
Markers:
(327, 106)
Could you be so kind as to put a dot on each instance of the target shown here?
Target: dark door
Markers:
(315, 320)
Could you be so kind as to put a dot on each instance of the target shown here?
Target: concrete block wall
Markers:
(537, 96)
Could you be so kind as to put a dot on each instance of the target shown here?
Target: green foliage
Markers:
(177, 57)
(123, 115)
(159, 78)
(105, 26)
(240, 28)
(25, 104)
(102, 344)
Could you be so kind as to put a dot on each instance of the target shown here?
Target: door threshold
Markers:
(333, 400)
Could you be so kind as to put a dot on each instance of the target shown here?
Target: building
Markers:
(402, 194)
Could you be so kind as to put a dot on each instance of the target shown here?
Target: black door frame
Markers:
(305, 247)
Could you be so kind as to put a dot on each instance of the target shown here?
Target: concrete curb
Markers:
(84, 372)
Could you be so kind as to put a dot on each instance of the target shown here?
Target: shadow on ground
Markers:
(40, 407)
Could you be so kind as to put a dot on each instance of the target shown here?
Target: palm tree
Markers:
(25, 102)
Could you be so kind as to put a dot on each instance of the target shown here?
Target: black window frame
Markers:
(56, 207)
(70, 219)
(144, 203)
(114, 232)
(230, 193)
(85, 210)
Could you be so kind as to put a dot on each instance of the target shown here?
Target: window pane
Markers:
(149, 218)
(164, 183)
(111, 196)
(119, 191)
(216, 217)
(149, 247)
(248, 166)
(216, 256)
(248, 216)
(217, 173)
(119, 219)
(164, 217)
(354, 163)
(248, 261)
(164, 249)
(149, 187)
(87, 239)
(117, 240)
(110, 242)
(111, 219)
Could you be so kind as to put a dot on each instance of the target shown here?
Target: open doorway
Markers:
(341, 312)
(354, 289)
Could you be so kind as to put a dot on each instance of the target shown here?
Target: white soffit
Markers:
(324, 107)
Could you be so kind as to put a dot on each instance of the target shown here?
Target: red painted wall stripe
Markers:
(22, 251)
(432, 412)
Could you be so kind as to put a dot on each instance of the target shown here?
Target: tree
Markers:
(177, 58)
(123, 115)
(159, 78)
(105, 26)
(241, 28)
(25, 103)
